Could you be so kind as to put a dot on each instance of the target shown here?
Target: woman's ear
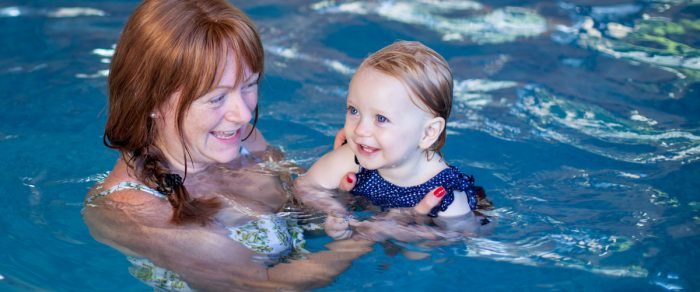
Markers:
(431, 132)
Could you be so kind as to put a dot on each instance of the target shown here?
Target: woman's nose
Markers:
(237, 110)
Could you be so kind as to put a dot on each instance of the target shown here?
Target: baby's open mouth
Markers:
(367, 149)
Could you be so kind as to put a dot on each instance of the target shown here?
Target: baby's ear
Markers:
(431, 132)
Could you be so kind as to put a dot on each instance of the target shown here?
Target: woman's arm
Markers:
(320, 269)
(204, 256)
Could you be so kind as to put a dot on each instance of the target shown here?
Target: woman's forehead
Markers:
(233, 70)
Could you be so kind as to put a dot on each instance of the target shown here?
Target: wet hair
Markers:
(168, 47)
(424, 72)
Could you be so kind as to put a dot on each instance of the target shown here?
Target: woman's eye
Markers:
(352, 110)
(250, 85)
(382, 119)
(216, 99)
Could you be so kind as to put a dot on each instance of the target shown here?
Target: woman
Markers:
(182, 90)
(186, 201)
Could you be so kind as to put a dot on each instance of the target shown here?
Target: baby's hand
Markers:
(337, 227)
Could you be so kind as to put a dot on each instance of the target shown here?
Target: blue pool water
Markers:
(579, 117)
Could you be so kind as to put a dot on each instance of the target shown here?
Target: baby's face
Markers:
(382, 125)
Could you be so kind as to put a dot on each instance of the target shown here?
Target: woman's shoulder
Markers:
(120, 187)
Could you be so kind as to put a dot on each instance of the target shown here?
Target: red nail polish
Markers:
(439, 192)
(348, 179)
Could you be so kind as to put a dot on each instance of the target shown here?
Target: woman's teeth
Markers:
(224, 135)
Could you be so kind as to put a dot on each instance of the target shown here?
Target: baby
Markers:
(397, 108)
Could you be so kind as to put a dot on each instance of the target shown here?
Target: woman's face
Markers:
(214, 123)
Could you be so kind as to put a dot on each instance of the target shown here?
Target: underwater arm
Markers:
(320, 269)
(459, 207)
(458, 217)
(204, 256)
(406, 224)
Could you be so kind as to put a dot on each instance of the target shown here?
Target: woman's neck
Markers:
(176, 162)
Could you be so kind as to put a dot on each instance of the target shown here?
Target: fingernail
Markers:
(348, 179)
(439, 192)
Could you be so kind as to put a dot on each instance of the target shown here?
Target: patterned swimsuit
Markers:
(386, 195)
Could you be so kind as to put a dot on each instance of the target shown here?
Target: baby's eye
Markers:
(352, 110)
(382, 119)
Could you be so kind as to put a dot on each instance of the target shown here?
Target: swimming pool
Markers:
(577, 117)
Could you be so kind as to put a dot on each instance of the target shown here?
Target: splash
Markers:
(498, 26)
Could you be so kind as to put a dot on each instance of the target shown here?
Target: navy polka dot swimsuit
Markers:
(386, 195)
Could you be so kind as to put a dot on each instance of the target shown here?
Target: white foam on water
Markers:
(12, 11)
(547, 113)
(497, 26)
(294, 54)
(75, 12)
(103, 52)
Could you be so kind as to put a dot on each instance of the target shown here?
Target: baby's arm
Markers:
(458, 216)
(459, 207)
(317, 188)
(329, 169)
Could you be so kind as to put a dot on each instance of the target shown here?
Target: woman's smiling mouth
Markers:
(227, 135)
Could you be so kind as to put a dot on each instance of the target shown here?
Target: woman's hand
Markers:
(402, 224)
(339, 139)
(347, 182)
(432, 199)
(391, 226)
(337, 227)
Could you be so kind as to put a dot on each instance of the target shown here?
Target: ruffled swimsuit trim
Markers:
(382, 193)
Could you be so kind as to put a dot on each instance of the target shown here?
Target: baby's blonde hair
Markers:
(424, 72)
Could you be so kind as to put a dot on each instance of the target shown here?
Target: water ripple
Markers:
(497, 26)
(572, 123)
